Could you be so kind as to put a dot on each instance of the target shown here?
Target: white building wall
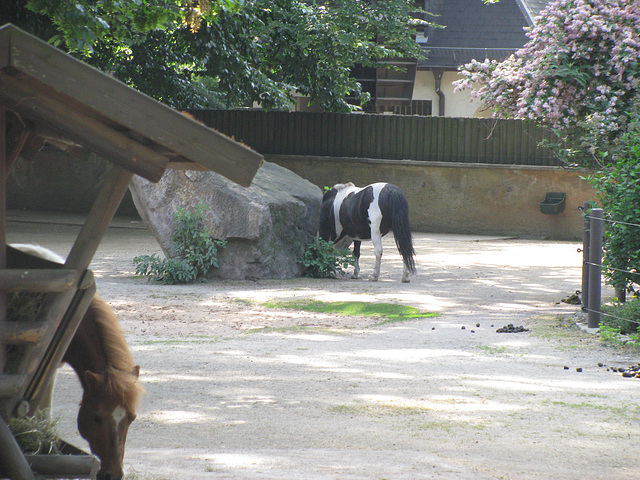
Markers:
(458, 104)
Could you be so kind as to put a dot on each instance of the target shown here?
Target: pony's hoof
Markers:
(355, 277)
(405, 280)
(373, 278)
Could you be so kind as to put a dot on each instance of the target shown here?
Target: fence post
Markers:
(586, 226)
(595, 268)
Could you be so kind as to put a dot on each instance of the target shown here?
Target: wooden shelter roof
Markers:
(64, 100)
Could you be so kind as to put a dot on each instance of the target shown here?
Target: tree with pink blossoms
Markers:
(578, 73)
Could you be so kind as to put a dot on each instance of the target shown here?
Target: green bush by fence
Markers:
(391, 137)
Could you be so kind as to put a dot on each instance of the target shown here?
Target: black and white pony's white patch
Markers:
(368, 213)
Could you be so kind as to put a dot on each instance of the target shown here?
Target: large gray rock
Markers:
(267, 225)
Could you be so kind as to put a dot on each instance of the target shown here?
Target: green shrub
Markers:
(324, 260)
(618, 187)
(196, 252)
(622, 316)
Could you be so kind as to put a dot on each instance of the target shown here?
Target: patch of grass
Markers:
(615, 337)
(379, 410)
(389, 312)
(182, 340)
(620, 411)
(298, 329)
(564, 330)
(491, 350)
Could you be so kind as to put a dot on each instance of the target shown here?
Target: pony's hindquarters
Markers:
(398, 211)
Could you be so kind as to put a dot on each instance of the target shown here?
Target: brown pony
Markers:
(102, 360)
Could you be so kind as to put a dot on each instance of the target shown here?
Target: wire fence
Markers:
(593, 265)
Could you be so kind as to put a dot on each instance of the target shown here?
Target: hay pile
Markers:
(37, 435)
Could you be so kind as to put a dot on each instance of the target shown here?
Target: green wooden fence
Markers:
(392, 137)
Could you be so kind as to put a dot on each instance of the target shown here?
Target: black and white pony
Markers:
(368, 213)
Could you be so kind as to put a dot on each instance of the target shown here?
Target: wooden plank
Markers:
(125, 106)
(108, 200)
(64, 466)
(10, 384)
(55, 348)
(292, 131)
(361, 135)
(351, 137)
(20, 134)
(22, 333)
(413, 137)
(370, 135)
(11, 457)
(21, 280)
(4, 172)
(477, 141)
(469, 151)
(518, 141)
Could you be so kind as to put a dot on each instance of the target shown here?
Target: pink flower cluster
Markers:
(582, 62)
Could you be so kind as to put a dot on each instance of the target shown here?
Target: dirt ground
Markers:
(235, 390)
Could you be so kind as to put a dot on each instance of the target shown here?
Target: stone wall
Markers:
(443, 197)
(464, 198)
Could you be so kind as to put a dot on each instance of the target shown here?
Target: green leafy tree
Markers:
(618, 186)
(579, 74)
(205, 53)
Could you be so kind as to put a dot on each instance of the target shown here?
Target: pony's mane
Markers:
(342, 186)
(121, 382)
(38, 251)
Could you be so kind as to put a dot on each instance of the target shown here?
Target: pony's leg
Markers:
(356, 254)
(376, 239)
(405, 274)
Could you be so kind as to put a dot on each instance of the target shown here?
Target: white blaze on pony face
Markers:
(118, 415)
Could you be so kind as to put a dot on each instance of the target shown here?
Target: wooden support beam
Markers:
(57, 347)
(15, 141)
(22, 333)
(39, 281)
(10, 384)
(64, 466)
(110, 195)
(3, 224)
(12, 459)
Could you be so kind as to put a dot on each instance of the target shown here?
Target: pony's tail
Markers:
(401, 229)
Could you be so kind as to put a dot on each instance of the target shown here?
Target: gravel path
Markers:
(239, 391)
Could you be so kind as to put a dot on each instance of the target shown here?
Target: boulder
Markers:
(267, 225)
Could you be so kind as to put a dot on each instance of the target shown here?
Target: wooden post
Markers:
(11, 458)
(3, 223)
(595, 268)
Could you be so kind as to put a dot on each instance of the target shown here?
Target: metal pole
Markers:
(595, 268)
(586, 225)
